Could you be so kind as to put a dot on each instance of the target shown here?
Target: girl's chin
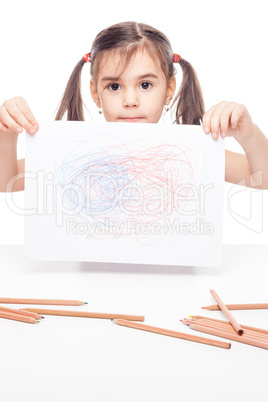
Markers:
(132, 120)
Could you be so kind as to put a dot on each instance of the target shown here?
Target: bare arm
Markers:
(234, 175)
(8, 158)
(15, 115)
(16, 182)
(232, 119)
(256, 155)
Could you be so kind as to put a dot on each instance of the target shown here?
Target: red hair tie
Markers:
(176, 58)
(87, 58)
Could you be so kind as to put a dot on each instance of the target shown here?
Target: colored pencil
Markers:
(42, 301)
(232, 336)
(17, 317)
(214, 307)
(85, 314)
(227, 313)
(261, 330)
(175, 334)
(226, 327)
(21, 312)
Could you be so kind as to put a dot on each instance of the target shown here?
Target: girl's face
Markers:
(138, 95)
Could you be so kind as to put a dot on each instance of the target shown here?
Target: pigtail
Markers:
(190, 103)
(72, 98)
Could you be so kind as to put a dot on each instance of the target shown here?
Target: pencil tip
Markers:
(190, 316)
(112, 319)
(202, 307)
(85, 302)
(38, 321)
(42, 316)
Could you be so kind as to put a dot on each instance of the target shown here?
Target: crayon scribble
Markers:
(145, 182)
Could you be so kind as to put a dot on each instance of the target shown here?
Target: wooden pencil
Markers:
(175, 334)
(18, 317)
(226, 327)
(227, 313)
(261, 330)
(85, 314)
(249, 306)
(21, 312)
(42, 301)
(228, 335)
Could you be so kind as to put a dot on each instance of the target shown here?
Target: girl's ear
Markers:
(94, 94)
(171, 88)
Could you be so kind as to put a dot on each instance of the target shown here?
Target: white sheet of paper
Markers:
(124, 193)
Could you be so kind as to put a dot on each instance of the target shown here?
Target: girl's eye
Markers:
(114, 87)
(145, 85)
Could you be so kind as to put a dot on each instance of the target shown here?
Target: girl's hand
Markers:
(15, 115)
(228, 119)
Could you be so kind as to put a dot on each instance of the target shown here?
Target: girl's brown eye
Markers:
(114, 87)
(146, 85)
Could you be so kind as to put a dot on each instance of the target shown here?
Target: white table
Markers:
(65, 359)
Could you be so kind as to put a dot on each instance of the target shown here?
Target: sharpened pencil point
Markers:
(42, 316)
(112, 319)
(38, 321)
(190, 316)
(86, 303)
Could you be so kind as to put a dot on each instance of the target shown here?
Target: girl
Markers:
(133, 79)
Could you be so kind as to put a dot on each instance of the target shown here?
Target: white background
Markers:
(226, 42)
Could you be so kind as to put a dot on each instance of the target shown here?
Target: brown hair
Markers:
(127, 38)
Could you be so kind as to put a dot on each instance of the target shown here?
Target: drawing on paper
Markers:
(138, 183)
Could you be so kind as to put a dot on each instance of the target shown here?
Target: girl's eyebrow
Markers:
(140, 77)
(149, 75)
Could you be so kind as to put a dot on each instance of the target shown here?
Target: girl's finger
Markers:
(15, 120)
(206, 120)
(24, 107)
(3, 127)
(215, 120)
(7, 120)
(225, 116)
(237, 112)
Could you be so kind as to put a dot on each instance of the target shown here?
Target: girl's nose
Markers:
(131, 99)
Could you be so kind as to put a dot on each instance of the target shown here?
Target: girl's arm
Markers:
(8, 161)
(232, 119)
(15, 115)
